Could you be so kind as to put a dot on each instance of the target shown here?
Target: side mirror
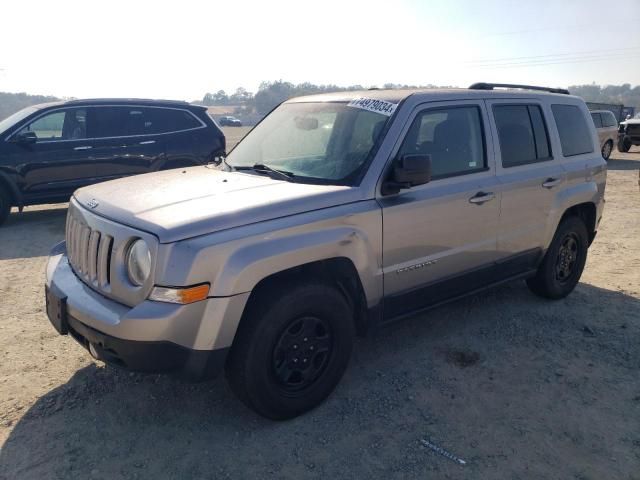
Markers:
(409, 171)
(26, 138)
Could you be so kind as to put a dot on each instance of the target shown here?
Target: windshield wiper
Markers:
(261, 167)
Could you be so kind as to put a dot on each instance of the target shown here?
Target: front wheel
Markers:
(291, 349)
(562, 265)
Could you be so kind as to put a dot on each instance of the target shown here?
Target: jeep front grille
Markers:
(89, 252)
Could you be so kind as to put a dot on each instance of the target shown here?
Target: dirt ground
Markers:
(517, 386)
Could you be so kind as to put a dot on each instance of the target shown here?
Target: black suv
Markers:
(48, 151)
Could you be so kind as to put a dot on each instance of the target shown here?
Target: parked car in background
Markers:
(607, 128)
(628, 134)
(228, 121)
(336, 214)
(48, 151)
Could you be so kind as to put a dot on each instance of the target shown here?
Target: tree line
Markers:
(12, 102)
(270, 94)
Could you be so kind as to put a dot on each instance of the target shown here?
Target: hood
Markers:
(184, 203)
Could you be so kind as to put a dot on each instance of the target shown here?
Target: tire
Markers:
(5, 205)
(562, 265)
(266, 364)
(607, 149)
(624, 145)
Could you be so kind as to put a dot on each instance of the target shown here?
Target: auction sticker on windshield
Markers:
(372, 105)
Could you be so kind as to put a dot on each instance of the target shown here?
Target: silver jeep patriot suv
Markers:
(336, 214)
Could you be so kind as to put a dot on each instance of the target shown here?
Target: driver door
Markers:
(48, 168)
(440, 238)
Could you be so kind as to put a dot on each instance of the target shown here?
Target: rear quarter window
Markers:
(597, 120)
(575, 135)
(609, 120)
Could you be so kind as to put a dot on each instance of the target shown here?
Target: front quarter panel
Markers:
(236, 260)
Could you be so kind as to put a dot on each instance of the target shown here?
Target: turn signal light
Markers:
(180, 295)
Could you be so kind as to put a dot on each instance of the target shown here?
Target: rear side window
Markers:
(452, 136)
(609, 120)
(125, 121)
(597, 120)
(575, 136)
(164, 120)
(522, 134)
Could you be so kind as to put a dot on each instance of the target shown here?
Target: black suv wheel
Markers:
(562, 266)
(5, 205)
(291, 349)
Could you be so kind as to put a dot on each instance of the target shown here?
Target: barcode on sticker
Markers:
(372, 105)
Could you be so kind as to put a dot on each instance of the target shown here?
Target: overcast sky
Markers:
(183, 49)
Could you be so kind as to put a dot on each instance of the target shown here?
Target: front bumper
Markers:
(189, 340)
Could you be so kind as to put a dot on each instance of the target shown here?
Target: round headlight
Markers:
(138, 262)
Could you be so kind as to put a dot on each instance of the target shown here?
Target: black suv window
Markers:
(522, 134)
(575, 137)
(597, 120)
(452, 136)
(165, 120)
(68, 124)
(127, 121)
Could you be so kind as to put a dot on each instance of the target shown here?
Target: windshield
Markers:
(15, 118)
(321, 142)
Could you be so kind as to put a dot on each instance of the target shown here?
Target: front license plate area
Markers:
(57, 311)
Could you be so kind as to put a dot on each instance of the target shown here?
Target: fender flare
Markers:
(570, 197)
(249, 265)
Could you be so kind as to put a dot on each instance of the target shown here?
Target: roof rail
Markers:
(491, 86)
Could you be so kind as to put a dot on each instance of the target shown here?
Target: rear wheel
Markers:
(606, 149)
(562, 265)
(291, 349)
(5, 205)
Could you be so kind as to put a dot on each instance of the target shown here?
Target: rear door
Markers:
(436, 233)
(529, 175)
(124, 141)
(610, 127)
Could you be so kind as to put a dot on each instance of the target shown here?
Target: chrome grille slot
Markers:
(89, 252)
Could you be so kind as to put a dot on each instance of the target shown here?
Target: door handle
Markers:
(482, 197)
(148, 142)
(551, 182)
(85, 147)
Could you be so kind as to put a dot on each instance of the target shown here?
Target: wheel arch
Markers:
(587, 213)
(339, 272)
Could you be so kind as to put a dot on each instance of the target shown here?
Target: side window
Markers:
(452, 136)
(105, 122)
(165, 120)
(68, 124)
(575, 136)
(522, 134)
(597, 120)
(130, 121)
(609, 120)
